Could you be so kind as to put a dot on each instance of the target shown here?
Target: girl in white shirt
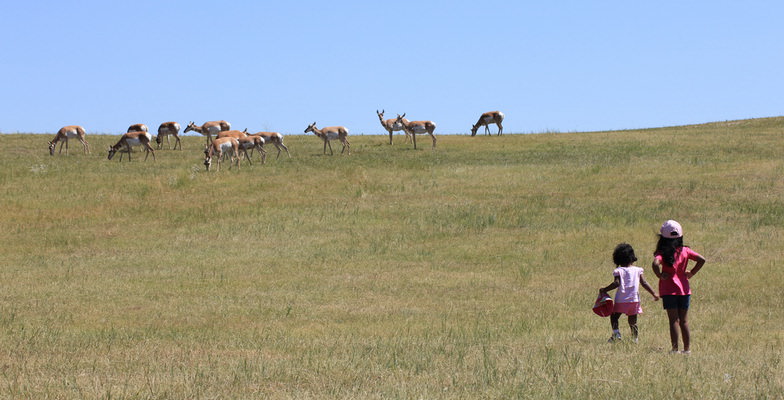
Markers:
(627, 278)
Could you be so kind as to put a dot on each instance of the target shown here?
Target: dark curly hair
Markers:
(666, 247)
(623, 255)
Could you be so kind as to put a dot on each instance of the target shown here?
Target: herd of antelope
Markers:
(234, 143)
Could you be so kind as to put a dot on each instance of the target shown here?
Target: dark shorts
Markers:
(675, 301)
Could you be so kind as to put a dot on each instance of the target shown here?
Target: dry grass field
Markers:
(467, 272)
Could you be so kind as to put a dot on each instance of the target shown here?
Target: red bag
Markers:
(603, 306)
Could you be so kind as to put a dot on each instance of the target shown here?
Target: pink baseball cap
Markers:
(671, 229)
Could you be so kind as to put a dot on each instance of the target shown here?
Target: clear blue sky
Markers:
(548, 65)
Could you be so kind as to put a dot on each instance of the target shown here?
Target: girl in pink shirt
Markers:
(670, 266)
(627, 278)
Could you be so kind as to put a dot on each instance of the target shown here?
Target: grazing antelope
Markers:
(331, 133)
(208, 128)
(490, 117)
(218, 147)
(137, 128)
(229, 133)
(415, 127)
(235, 134)
(165, 130)
(134, 128)
(252, 142)
(391, 125)
(65, 133)
(128, 139)
(275, 138)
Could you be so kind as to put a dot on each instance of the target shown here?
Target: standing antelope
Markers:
(230, 133)
(235, 134)
(128, 139)
(166, 129)
(252, 142)
(208, 128)
(331, 133)
(490, 117)
(65, 133)
(134, 128)
(137, 128)
(274, 138)
(415, 127)
(218, 147)
(391, 125)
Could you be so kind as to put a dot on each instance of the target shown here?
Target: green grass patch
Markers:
(464, 272)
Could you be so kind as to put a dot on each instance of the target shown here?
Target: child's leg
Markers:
(633, 325)
(614, 317)
(684, 325)
(616, 334)
(674, 317)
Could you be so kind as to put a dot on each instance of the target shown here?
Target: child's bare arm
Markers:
(697, 267)
(615, 284)
(657, 270)
(648, 287)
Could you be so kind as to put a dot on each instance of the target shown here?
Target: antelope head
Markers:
(311, 128)
(474, 128)
(51, 148)
(191, 127)
(207, 156)
(112, 151)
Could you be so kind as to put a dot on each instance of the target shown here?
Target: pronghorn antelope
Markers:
(275, 138)
(166, 129)
(208, 128)
(415, 127)
(252, 142)
(65, 133)
(490, 117)
(391, 125)
(331, 133)
(230, 133)
(129, 139)
(245, 143)
(137, 128)
(134, 128)
(218, 147)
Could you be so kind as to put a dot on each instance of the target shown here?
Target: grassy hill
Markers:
(464, 272)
